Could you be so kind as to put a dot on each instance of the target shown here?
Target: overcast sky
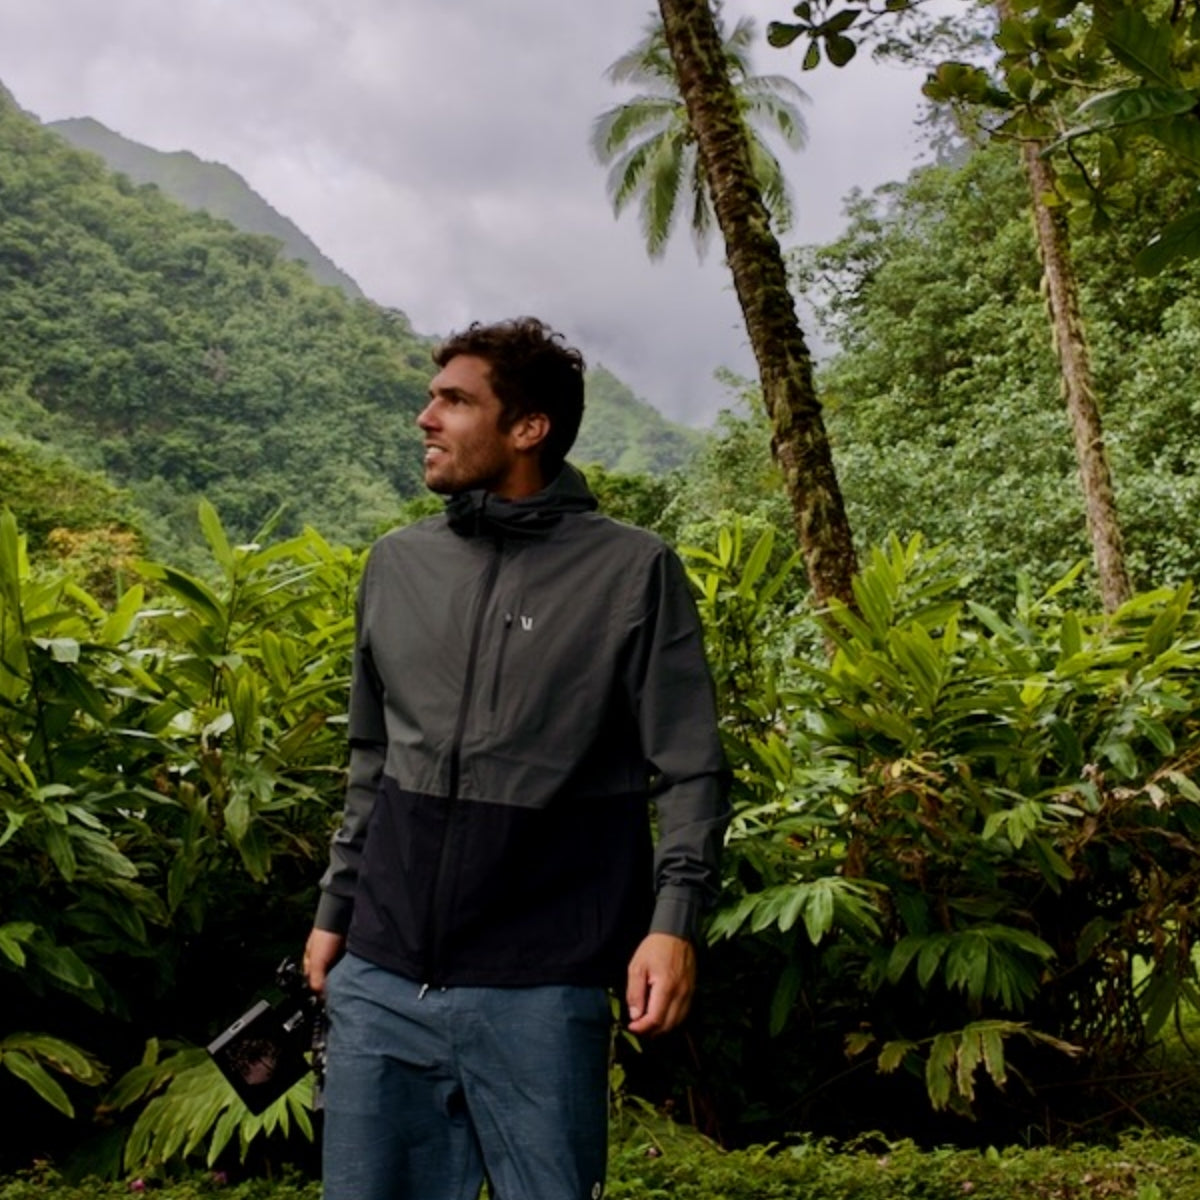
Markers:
(437, 150)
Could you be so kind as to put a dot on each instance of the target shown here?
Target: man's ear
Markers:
(531, 430)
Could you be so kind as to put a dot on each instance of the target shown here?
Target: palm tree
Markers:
(651, 147)
(717, 115)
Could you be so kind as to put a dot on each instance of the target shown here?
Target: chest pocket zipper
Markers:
(505, 634)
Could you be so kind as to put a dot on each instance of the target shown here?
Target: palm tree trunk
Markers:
(799, 440)
(1075, 368)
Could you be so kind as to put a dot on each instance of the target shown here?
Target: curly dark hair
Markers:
(533, 370)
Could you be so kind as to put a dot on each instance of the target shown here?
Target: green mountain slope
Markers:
(210, 186)
(626, 434)
(620, 431)
(184, 357)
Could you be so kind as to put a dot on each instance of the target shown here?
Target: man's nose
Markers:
(425, 419)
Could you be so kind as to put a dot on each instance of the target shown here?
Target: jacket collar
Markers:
(479, 513)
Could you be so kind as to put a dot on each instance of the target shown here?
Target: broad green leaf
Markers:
(63, 964)
(840, 49)
(992, 1043)
(34, 1074)
(214, 535)
(1121, 755)
(790, 912)
(1142, 45)
(62, 649)
(1179, 239)
(970, 1055)
(1126, 106)
(856, 1042)
(1182, 136)
(1187, 788)
(238, 814)
(12, 935)
(818, 912)
(939, 1070)
(63, 1056)
(121, 621)
(1071, 636)
(780, 35)
(930, 956)
(190, 589)
(893, 1054)
(784, 997)
(756, 563)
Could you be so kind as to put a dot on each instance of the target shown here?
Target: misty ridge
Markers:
(176, 337)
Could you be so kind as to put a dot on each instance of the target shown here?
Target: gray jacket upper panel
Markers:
(530, 665)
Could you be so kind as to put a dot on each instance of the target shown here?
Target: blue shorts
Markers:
(430, 1090)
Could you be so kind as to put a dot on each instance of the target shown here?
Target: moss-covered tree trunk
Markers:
(1075, 368)
(799, 439)
(1062, 297)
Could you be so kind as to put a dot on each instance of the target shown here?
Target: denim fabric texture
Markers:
(431, 1090)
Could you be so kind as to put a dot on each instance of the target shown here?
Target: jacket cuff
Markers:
(333, 913)
(677, 912)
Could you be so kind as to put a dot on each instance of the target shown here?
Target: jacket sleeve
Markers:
(368, 752)
(671, 690)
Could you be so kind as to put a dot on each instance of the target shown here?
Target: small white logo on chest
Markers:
(526, 623)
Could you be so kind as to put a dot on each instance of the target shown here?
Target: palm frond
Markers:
(647, 61)
(784, 118)
(612, 129)
(659, 208)
(627, 173)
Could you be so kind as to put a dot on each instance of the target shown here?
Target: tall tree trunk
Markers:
(1062, 297)
(1075, 368)
(799, 440)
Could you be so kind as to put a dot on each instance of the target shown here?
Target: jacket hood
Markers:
(479, 513)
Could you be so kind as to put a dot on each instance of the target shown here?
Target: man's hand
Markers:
(662, 977)
(320, 953)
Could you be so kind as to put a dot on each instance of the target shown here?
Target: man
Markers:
(524, 671)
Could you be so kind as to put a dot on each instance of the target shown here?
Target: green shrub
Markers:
(169, 771)
(964, 850)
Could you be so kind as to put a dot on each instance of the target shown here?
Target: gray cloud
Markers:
(437, 150)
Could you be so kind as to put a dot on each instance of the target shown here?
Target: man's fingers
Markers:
(322, 950)
(661, 976)
(637, 990)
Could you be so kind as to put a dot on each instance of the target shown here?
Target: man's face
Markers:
(465, 448)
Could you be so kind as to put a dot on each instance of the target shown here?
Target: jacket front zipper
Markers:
(433, 926)
(505, 631)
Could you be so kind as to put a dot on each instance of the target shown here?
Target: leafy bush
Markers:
(169, 772)
(967, 846)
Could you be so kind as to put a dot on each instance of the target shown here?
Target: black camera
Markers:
(275, 1043)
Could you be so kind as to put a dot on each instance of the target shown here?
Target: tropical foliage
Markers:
(964, 851)
(943, 394)
(1128, 68)
(169, 769)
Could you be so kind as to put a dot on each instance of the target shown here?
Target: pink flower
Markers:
(137, 1185)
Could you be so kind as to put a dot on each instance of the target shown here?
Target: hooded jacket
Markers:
(526, 673)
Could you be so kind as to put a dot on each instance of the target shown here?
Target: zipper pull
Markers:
(421, 993)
